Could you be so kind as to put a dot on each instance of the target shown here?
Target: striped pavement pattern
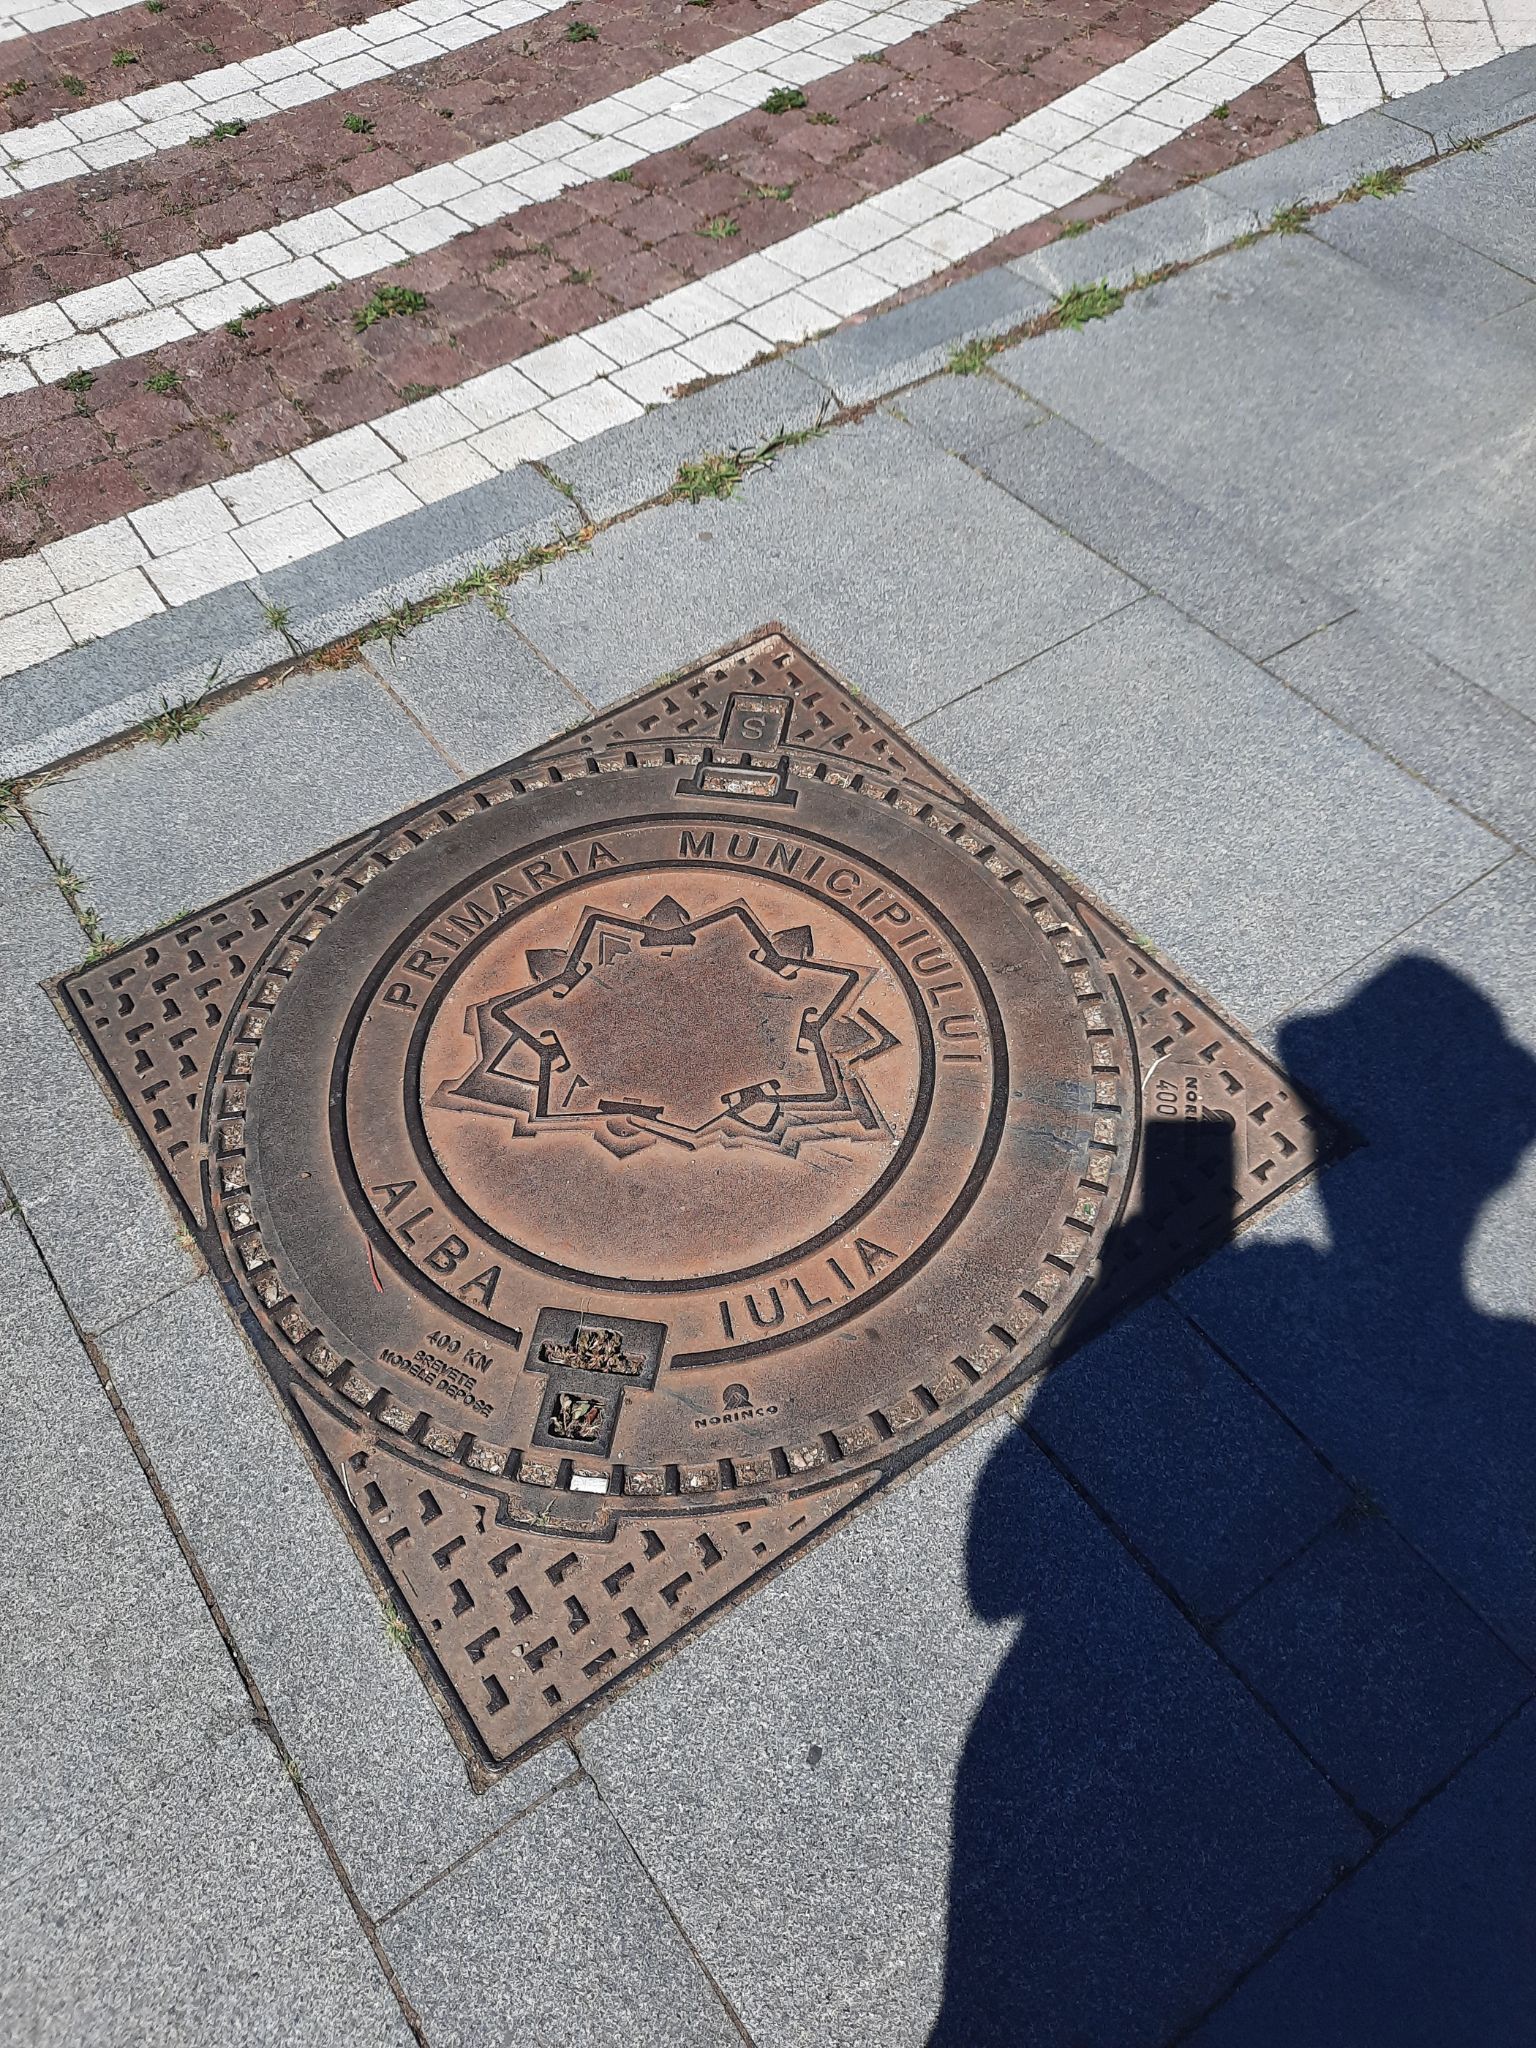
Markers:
(1127, 103)
(117, 131)
(310, 252)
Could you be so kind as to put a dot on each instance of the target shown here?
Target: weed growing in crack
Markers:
(717, 475)
(784, 99)
(1385, 184)
(720, 229)
(357, 124)
(709, 476)
(1085, 302)
(487, 582)
(389, 302)
(1290, 220)
(172, 722)
(162, 381)
(972, 356)
(72, 888)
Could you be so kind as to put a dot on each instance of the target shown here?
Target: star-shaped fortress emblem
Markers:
(669, 1029)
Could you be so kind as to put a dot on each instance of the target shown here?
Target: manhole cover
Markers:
(637, 1157)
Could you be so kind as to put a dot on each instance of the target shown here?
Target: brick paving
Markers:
(86, 232)
(74, 459)
(178, 43)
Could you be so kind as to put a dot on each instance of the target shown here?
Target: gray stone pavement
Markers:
(1190, 1705)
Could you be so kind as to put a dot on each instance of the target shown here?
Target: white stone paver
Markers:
(1398, 46)
(33, 635)
(106, 607)
(198, 292)
(569, 390)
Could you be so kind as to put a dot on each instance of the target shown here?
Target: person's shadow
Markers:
(1107, 1854)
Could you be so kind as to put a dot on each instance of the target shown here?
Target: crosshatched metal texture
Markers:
(635, 1158)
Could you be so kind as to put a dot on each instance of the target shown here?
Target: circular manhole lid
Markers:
(637, 1127)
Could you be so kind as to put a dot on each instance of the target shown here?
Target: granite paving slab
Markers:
(563, 1938)
(205, 1911)
(1426, 1946)
(1167, 771)
(1128, 1827)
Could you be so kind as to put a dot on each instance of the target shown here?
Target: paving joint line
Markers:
(1418, 775)
(1018, 667)
(1149, 590)
(1366, 1501)
(588, 708)
(726, 2003)
(1373, 1827)
(1319, 990)
(261, 1714)
(1191, 2027)
(460, 772)
(573, 1777)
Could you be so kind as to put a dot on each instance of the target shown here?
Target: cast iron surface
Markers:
(632, 1160)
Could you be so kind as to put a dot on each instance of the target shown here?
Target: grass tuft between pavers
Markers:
(716, 474)
(389, 302)
(972, 356)
(1085, 302)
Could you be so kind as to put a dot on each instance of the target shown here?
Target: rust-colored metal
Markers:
(637, 1157)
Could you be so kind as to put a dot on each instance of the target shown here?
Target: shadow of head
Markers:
(1422, 1062)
